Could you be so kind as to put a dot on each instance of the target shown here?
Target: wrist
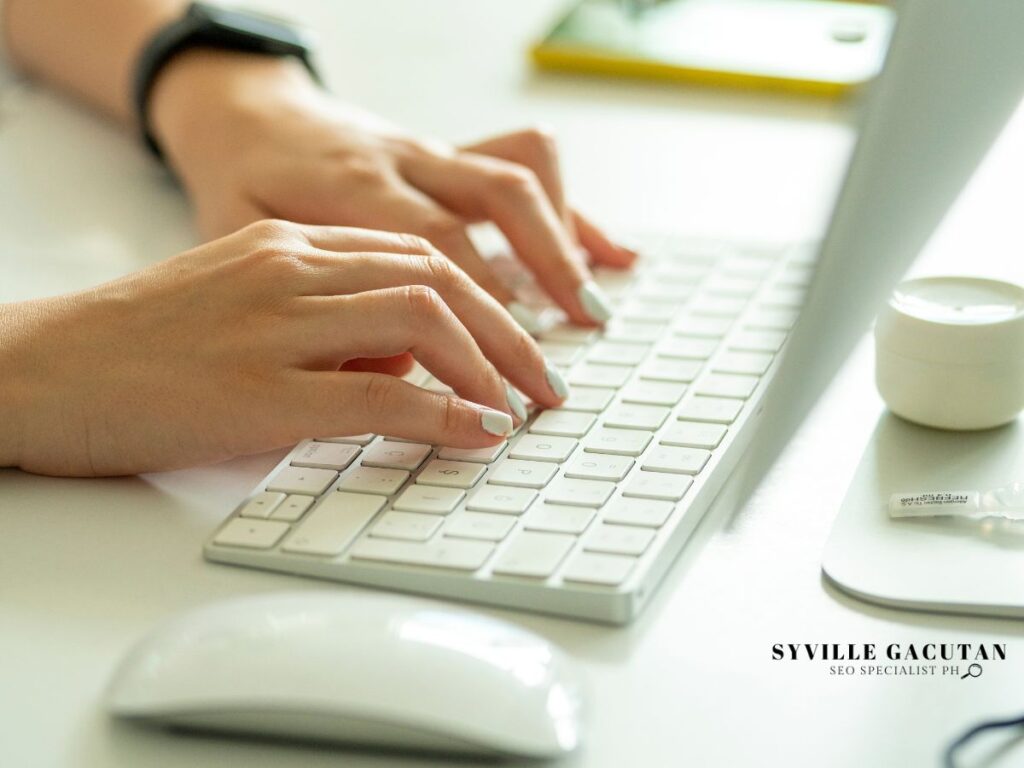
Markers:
(205, 101)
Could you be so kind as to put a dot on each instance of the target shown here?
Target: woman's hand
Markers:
(253, 137)
(241, 345)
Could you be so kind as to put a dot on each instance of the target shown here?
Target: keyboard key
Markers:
(796, 275)
(562, 423)
(757, 341)
(671, 369)
(451, 474)
(480, 455)
(311, 482)
(594, 375)
(683, 461)
(293, 508)
(372, 480)
(456, 554)
(523, 474)
(543, 448)
(717, 306)
(773, 319)
(644, 512)
(647, 311)
(262, 504)
(703, 326)
(713, 409)
(630, 416)
(754, 264)
(588, 399)
(428, 499)
(691, 434)
(614, 282)
(753, 363)
(570, 334)
(731, 285)
(727, 385)
(679, 272)
(336, 456)
(353, 439)
(478, 525)
(579, 493)
(562, 355)
(334, 524)
(499, 498)
(784, 297)
(619, 539)
(251, 534)
(648, 392)
(555, 518)
(389, 454)
(688, 347)
(657, 485)
(632, 332)
(598, 466)
(409, 526)
(418, 375)
(593, 568)
(533, 554)
(613, 353)
(621, 442)
(434, 384)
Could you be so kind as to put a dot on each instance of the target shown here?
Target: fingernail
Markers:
(526, 317)
(496, 422)
(555, 381)
(515, 402)
(594, 301)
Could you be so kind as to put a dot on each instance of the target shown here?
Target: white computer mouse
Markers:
(380, 670)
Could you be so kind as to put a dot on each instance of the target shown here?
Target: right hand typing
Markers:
(253, 342)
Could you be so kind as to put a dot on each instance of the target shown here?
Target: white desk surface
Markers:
(88, 566)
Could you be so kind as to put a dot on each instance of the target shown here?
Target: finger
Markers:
(535, 149)
(509, 195)
(422, 216)
(398, 365)
(413, 319)
(604, 251)
(354, 239)
(356, 403)
(502, 341)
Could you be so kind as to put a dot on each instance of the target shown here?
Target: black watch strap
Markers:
(208, 26)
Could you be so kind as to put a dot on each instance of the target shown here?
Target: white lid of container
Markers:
(954, 320)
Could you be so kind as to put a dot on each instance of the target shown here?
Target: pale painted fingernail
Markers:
(595, 302)
(515, 402)
(556, 381)
(526, 317)
(496, 422)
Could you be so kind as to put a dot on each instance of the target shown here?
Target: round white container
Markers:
(950, 352)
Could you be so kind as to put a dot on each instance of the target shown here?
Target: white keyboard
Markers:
(580, 512)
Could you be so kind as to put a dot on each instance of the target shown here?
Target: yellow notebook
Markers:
(823, 47)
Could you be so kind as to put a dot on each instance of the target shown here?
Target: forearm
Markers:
(86, 47)
(16, 321)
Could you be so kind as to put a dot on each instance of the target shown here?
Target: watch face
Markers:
(277, 33)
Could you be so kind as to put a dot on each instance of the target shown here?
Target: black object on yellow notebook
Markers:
(823, 47)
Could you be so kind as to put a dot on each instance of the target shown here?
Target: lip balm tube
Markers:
(1006, 502)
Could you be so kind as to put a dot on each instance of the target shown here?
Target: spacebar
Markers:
(448, 553)
(332, 525)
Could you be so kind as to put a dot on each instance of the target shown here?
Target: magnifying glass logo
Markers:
(972, 671)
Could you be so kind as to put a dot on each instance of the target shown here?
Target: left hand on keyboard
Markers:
(258, 139)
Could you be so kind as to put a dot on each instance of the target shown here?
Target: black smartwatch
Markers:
(209, 26)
